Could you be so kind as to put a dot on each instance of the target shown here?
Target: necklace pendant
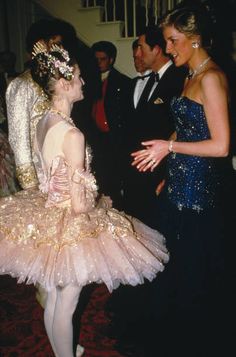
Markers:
(190, 75)
(195, 72)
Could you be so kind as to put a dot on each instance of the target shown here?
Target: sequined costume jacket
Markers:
(26, 103)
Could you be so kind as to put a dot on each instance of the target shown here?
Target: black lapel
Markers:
(145, 94)
(162, 82)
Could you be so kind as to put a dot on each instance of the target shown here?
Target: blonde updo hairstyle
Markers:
(191, 21)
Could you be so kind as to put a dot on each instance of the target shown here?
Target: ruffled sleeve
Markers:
(83, 191)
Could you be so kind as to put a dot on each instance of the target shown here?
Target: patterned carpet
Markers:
(22, 329)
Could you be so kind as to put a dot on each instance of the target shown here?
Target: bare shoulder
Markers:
(74, 135)
(214, 86)
(214, 78)
(74, 144)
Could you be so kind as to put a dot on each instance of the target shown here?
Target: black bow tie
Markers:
(154, 75)
(145, 76)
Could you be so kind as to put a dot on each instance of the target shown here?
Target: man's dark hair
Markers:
(135, 44)
(46, 29)
(154, 36)
(105, 46)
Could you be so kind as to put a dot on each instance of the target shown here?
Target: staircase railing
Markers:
(136, 14)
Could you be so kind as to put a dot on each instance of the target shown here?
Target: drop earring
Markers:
(195, 44)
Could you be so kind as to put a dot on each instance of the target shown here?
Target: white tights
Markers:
(60, 306)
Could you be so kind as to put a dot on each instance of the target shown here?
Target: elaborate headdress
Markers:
(56, 59)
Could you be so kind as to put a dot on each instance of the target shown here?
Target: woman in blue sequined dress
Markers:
(188, 208)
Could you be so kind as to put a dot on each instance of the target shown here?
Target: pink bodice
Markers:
(55, 176)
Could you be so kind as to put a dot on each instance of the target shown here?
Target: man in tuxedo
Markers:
(108, 118)
(148, 115)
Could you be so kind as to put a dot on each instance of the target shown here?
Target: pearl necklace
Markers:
(63, 115)
(196, 71)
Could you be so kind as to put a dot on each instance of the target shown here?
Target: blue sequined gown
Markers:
(193, 181)
(189, 214)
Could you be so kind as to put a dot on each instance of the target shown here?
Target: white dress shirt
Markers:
(140, 85)
(160, 72)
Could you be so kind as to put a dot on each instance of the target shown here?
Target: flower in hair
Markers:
(48, 61)
(61, 50)
(64, 69)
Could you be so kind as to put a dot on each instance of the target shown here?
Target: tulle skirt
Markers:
(53, 247)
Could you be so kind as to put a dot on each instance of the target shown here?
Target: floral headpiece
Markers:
(48, 61)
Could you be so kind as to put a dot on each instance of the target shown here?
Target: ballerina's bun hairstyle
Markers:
(49, 66)
(191, 20)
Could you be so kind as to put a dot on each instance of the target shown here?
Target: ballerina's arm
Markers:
(82, 183)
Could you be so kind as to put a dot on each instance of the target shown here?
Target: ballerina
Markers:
(62, 236)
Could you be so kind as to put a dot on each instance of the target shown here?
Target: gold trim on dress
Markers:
(26, 176)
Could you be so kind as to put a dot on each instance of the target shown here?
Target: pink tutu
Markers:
(52, 247)
(43, 241)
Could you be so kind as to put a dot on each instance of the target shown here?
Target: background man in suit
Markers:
(149, 113)
(108, 118)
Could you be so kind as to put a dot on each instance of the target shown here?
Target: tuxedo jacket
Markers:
(108, 154)
(151, 119)
(115, 101)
